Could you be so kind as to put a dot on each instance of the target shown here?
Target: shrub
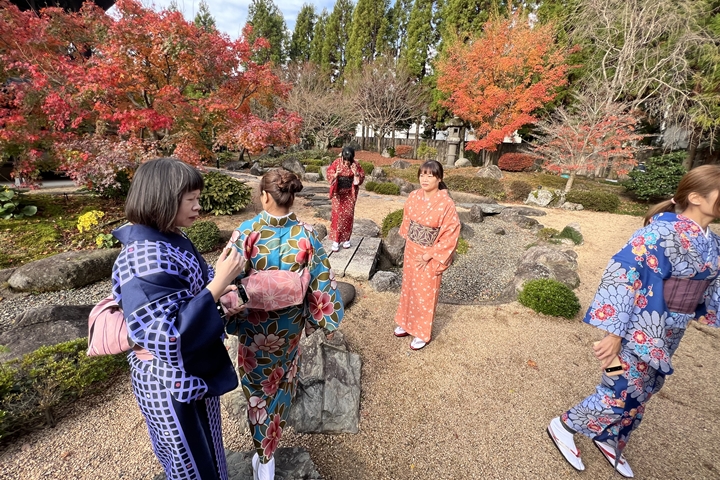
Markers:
(89, 220)
(316, 163)
(594, 200)
(223, 195)
(462, 247)
(550, 297)
(367, 167)
(10, 206)
(520, 190)
(403, 150)
(392, 220)
(387, 188)
(391, 151)
(488, 187)
(516, 162)
(547, 233)
(116, 190)
(371, 186)
(204, 234)
(572, 234)
(659, 180)
(34, 387)
(312, 169)
(426, 153)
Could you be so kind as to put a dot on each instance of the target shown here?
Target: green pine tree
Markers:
(319, 34)
(337, 36)
(302, 36)
(400, 21)
(421, 38)
(203, 18)
(460, 18)
(268, 22)
(369, 26)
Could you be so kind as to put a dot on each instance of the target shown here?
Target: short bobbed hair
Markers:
(156, 191)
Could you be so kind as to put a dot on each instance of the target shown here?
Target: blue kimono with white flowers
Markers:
(630, 303)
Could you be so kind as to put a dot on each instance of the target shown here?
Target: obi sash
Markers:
(344, 183)
(422, 235)
(682, 295)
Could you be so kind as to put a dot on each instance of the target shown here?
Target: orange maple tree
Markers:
(96, 95)
(497, 80)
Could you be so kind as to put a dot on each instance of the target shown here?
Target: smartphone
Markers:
(615, 369)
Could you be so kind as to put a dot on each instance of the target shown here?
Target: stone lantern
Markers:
(453, 140)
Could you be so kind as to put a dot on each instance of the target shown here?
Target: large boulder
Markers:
(257, 170)
(401, 164)
(323, 212)
(527, 211)
(311, 177)
(64, 271)
(347, 293)
(324, 170)
(364, 227)
(491, 171)
(328, 390)
(378, 174)
(320, 231)
(393, 247)
(386, 281)
(41, 326)
(293, 164)
(543, 197)
(547, 262)
(476, 214)
(463, 162)
(237, 165)
(521, 220)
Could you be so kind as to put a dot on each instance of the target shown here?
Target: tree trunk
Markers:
(570, 181)
(362, 141)
(692, 150)
(417, 135)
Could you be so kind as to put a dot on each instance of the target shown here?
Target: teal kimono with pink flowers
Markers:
(268, 353)
(664, 277)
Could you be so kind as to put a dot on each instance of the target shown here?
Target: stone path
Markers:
(358, 261)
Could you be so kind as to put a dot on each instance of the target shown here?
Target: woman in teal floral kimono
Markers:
(663, 278)
(268, 341)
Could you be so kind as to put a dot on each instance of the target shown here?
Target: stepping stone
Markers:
(363, 263)
(339, 260)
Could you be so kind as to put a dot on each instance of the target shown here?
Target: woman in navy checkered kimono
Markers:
(663, 278)
(168, 295)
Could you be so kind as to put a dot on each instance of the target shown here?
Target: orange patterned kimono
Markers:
(429, 226)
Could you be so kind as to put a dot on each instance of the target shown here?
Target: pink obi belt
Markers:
(422, 235)
(683, 295)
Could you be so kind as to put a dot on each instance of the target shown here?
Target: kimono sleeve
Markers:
(446, 243)
(360, 174)
(325, 305)
(163, 316)
(707, 311)
(332, 171)
(632, 283)
(405, 225)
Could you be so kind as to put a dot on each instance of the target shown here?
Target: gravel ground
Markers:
(473, 404)
(485, 270)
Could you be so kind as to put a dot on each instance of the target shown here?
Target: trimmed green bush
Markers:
(391, 151)
(314, 163)
(204, 234)
(550, 297)
(387, 188)
(367, 167)
(487, 187)
(35, 387)
(520, 190)
(392, 220)
(547, 233)
(370, 186)
(594, 200)
(312, 169)
(572, 234)
(223, 195)
(660, 179)
(424, 152)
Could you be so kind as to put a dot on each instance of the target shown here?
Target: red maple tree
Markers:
(497, 80)
(77, 84)
(589, 138)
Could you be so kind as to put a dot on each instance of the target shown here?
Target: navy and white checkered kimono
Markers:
(159, 280)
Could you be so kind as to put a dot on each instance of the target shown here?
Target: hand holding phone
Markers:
(615, 367)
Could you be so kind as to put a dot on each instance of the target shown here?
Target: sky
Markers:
(230, 16)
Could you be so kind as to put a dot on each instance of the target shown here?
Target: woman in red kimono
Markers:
(431, 228)
(345, 176)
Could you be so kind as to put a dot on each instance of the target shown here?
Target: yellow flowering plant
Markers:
(89, 220)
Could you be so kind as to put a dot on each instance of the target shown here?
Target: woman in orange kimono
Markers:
(345, 176)
(431, 228)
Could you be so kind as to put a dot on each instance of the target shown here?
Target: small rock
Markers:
(378, 173)
(257, 170)
(385, 281)
(543, 197)
(466, 231)
(527, 211)
(347, 293)
(365, 227)
(499, 231)
(385, 153)
(235, 166)
(323, 212)
(293, 164)
(312, 177)
(571, 206)
(401, 164)
(463, 162)
(476, 214)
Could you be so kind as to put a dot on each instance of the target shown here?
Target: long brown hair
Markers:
(282, 186)
(702, 180)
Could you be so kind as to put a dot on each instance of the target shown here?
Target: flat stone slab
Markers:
(363, 263)
(487, 208)
(290, 464)
(339, 260)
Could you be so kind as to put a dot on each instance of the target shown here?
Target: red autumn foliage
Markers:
(75, 83)
(403, 150)
(516, 162)
(496, 81)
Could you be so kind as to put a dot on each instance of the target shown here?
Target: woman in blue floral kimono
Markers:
(666, 276)
(268, 341)
(179, 366)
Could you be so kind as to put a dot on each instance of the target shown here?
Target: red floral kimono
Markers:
(429, 226)
(343, 194)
